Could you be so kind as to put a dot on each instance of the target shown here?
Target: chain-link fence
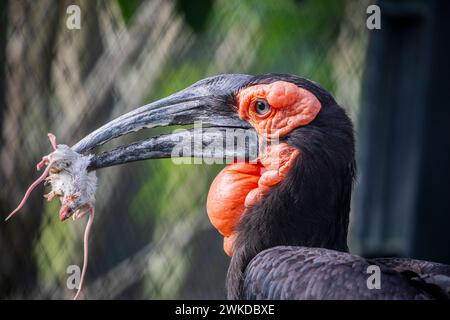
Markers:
(151, 237)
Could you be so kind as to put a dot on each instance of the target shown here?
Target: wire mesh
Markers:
(151, 237)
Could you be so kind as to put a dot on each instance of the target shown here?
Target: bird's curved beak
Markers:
(209, 102)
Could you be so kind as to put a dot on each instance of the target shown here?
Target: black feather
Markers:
(293, 243)
(311, 206)
(317, 273)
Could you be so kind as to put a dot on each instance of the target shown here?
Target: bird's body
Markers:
(292, 244)
(284, 218)
(287, 272)
(310, 207)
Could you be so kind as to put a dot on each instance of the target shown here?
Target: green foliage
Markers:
(195, 12)
(55, 249)
(294, 37)
(287, 36)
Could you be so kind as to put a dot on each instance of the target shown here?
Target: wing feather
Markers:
(315, 273)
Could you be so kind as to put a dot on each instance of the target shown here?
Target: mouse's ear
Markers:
(52, 139)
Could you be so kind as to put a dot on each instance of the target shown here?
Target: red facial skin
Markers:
(242, 185)
(227, 196)
(291, 107)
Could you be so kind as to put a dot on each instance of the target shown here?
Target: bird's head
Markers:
(308, 155)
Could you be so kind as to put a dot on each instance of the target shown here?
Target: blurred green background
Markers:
(151, 237)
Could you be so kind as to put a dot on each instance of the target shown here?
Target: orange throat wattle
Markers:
(241, 185)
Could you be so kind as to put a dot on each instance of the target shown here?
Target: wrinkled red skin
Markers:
(226, 198)
(291, 107)
(241, 185)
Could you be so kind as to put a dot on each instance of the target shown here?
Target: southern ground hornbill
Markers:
(284, 217)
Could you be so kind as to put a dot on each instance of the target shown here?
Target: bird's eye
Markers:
(262, 107)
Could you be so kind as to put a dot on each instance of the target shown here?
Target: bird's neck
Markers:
(309, 208)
